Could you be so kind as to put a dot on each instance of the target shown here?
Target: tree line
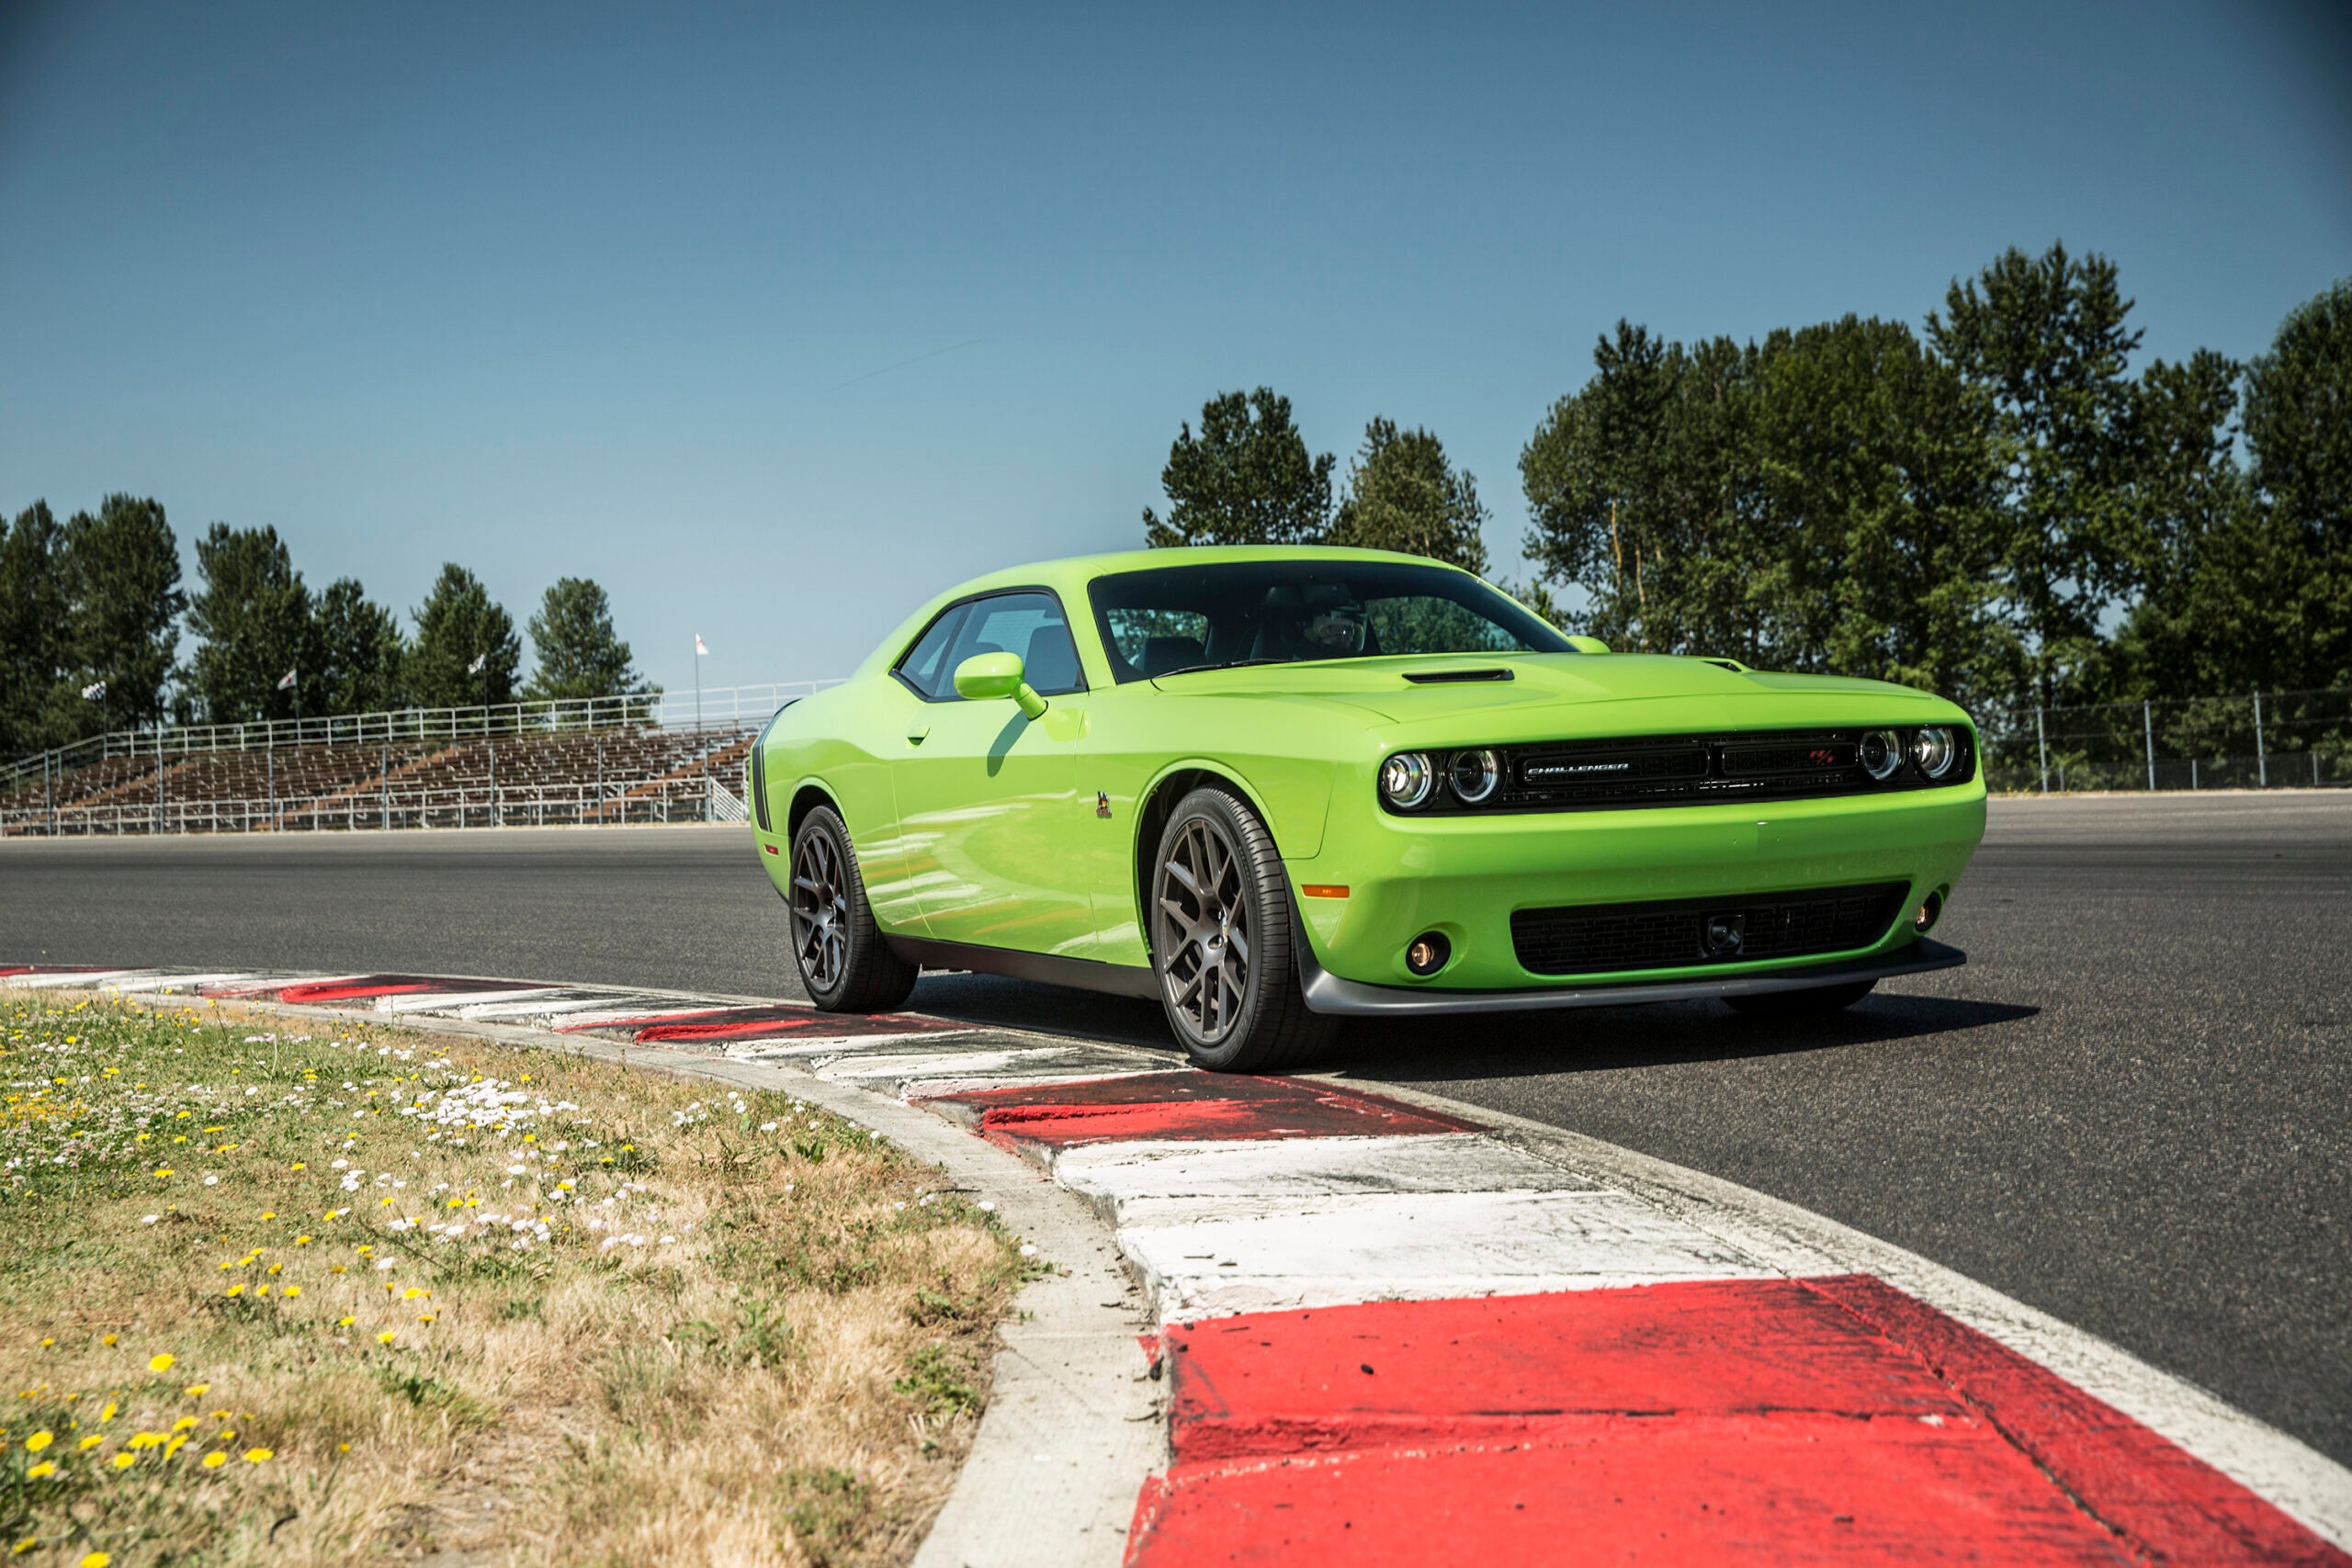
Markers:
(93, 612)
(1997, 507)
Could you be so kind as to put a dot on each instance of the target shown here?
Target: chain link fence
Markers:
(2259, 740)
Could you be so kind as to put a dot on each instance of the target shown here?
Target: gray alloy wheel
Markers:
(1221, 940)
(843, 961)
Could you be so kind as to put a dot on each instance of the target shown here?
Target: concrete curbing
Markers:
(1558, 1339)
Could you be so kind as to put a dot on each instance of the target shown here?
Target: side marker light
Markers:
(1325, 889)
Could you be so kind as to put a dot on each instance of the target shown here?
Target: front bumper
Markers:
(1465, 876)
(1327, 993)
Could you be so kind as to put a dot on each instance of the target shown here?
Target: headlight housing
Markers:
(1407, 780)
(1473, 775)
(1882, 754)
(1934, 751)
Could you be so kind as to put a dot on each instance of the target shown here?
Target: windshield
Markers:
(1280, 612)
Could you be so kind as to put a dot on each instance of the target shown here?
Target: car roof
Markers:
(1079, 568)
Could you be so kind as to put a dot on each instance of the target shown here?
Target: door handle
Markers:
(917, 734)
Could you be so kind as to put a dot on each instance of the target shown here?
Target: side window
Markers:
(1153, 642)
(1030, 625)
(925, 667)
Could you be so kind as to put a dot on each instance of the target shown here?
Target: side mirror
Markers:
(987, 675)
(1588, 644)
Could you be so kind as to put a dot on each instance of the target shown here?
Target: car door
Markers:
(990, 819)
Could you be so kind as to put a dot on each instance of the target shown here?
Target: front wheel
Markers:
(844, 964)
(1221, 941)
(1813, 1003)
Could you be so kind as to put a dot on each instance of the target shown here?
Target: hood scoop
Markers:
(1454, 677)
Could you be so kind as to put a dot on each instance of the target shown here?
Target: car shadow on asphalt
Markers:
(1493, 1044)
(1662, 1034)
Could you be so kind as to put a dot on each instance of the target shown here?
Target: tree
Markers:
(1246, 479)
(580, 656)
(1404, 495)
(2299, 426)
(360, 651)
(122, 581)
(457, 624)
(1640, 491)
(34, 633)
(2045, 339)
(255, 624)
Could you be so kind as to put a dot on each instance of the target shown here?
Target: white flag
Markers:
(475, 667)
(699, 649)
(96, 691)
(286, 681)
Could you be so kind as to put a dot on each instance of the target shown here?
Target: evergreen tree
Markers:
(360, 651)
(2047, 341)
(1404, 495)
(2299, 426)
(34, 633)
(457, 624)
(1246, 479)
(579, 654)
(255, 624)
(122, 581)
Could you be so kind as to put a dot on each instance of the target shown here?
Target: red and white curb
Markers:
(1396, 1330)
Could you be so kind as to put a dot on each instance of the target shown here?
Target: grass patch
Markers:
(326, 1293)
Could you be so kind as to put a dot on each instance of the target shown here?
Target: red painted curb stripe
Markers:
(1192, 1106)
(1766, 1420)
(757, 1022)
(361, 990)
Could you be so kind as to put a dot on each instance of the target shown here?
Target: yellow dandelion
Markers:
(275, 1268)
(215, 1459)
(292, 1290)
(124, 1461)
(47, 1343)
(185, 1423)
(92, 1441)
(174, 1445)
(385, 1337)
(96, 1560)
(256, 1456)
(40, 1472)
(301, 1241)
(269, 1213)
(39, 1440)
(236, 1290)
(261, 1290)
(426, 1317)
(108, 1414)
(198, 1390)
(108, 1340)
(161, 1363)
(344, 1322)
(144, 1439)
(410, 1294)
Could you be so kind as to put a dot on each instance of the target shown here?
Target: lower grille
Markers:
(1597, 939)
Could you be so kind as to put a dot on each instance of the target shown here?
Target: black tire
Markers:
(1221, 941)
(1813, 1003)
(844, 964)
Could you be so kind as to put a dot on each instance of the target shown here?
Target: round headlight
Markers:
(1882, 754)
(1407, 779)
(1935, 749)
(1473, 775)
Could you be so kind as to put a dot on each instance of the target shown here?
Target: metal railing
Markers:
(720, 707)
(2259, 740)
(483, 805)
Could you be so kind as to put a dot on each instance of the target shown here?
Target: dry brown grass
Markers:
(791, 1377)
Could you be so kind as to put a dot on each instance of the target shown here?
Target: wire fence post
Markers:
(269, 761)
(493, 785)
(384, 778)
(2148, 723)
(2041, 740)
(2261, 754)
(158, 778)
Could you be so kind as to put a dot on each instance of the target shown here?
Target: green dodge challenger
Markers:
(1277, 787)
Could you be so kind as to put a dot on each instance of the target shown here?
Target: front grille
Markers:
(1697, 770)
(1599, 939)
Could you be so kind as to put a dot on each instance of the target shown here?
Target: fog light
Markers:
(1931, 907)
(1407, 779)
(1882, 754)
(1428, 952)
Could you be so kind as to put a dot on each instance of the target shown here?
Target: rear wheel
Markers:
(844, 964)
(1221, 941)
(1811, 1003)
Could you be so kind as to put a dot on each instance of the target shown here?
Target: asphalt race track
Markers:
(2130, 1109)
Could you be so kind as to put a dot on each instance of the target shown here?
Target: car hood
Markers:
(1381, 690)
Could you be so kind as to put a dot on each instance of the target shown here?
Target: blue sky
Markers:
(629, 293)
